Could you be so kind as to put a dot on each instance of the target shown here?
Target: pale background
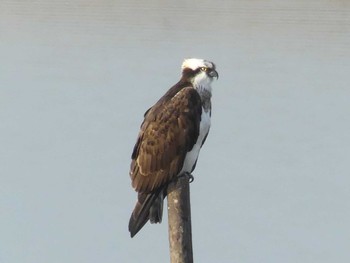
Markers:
(272, 182)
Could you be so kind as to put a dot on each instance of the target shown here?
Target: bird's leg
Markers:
(189, 176)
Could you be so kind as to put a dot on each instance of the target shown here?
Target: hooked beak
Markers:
(213, 74)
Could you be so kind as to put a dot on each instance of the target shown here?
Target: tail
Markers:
(148, 206)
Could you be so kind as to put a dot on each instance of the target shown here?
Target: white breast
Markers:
(191, 157)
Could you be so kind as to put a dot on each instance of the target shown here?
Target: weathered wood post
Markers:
(179, 218)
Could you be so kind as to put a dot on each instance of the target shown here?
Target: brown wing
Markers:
(168, 132)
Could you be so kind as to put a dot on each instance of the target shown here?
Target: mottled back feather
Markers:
(169, 130)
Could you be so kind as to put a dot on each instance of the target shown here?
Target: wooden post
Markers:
(179, 218)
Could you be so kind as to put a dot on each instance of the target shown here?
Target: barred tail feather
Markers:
(149, 206)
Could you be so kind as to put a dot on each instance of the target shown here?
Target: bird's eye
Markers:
(204, 69)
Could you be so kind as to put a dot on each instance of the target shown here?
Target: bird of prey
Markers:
(170, 138)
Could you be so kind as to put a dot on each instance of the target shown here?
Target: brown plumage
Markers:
(168, 132)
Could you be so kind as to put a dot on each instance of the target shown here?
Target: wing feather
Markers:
(169, 130)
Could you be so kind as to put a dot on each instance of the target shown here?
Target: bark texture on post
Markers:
(179, 218)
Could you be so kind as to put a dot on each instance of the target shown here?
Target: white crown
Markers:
(194, 63)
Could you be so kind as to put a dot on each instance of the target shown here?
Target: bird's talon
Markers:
(189, 176)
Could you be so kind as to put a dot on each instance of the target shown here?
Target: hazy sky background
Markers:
(272, 182)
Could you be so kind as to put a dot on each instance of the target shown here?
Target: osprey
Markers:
(171, 135)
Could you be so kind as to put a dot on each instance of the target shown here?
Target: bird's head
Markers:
(199, 71)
